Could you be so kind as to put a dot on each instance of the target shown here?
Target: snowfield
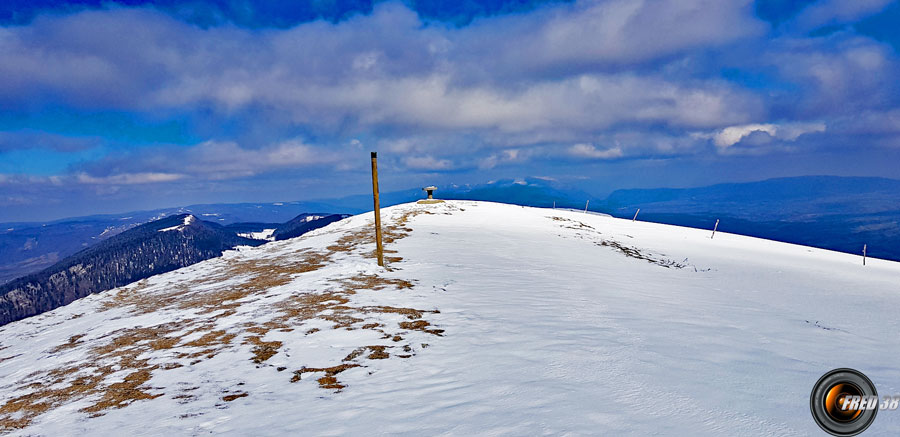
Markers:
(265, 234)
(491, 319)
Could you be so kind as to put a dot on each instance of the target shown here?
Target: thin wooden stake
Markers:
(379, 249)
(586, 205)
(714, 230)
(635, 215)
(864, 254)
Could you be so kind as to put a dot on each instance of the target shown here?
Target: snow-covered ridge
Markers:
(187, 222)
(491, 320)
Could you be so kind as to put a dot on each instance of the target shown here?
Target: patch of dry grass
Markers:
(121, 394)
(74, 340)
(262, 350)
(327, 381)
(231, 397)
(631, 252)
(421, 325)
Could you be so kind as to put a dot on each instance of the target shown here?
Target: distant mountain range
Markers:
(835, 213)
(304, 223)
(145, 250)
(30, 247)
(831, 212)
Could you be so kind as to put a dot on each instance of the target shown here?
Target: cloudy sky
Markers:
(112, 106)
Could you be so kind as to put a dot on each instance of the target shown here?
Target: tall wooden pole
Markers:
(635, 215)
(586, 205)
(378, 247)
(714, 230)
(864, 254)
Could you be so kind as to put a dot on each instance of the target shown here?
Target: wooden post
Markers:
(864, 254)
(379, 249)
(586, 205)
(635, 215)
(714, 230)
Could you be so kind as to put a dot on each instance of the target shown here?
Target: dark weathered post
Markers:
(864, 254)
(379, 249)
(635, 215)
(714, 230)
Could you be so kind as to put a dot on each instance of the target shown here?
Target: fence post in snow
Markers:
(586, 205)
(635, 215)
(379, 249)
(864, 254)
(714, 230)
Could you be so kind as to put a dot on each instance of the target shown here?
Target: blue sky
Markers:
(111, 106)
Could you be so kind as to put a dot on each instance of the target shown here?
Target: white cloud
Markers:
(625, 73)
(129, 178)
(792, 131)
(209, 160)
(585, 102)
(843, 74)
(228, 159)
(504, 156)
(427, 163)
(384, 69)
(583, 150)
(732, 135)
(606, 32)
(830, 12)
(32, 139)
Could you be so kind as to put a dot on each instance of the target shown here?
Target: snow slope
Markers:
(491, 319)
(188, 219)
(265, 234)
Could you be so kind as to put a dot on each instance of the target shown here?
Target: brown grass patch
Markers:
(329, 380)
(421, 325)
(73, 382)
(231, 397)
(211, 339)
(9, 358)
(122, 394)
(184, 398)
(375, 282)
(263, 350)
(378, 353)
(356, 353)
(73, 341)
